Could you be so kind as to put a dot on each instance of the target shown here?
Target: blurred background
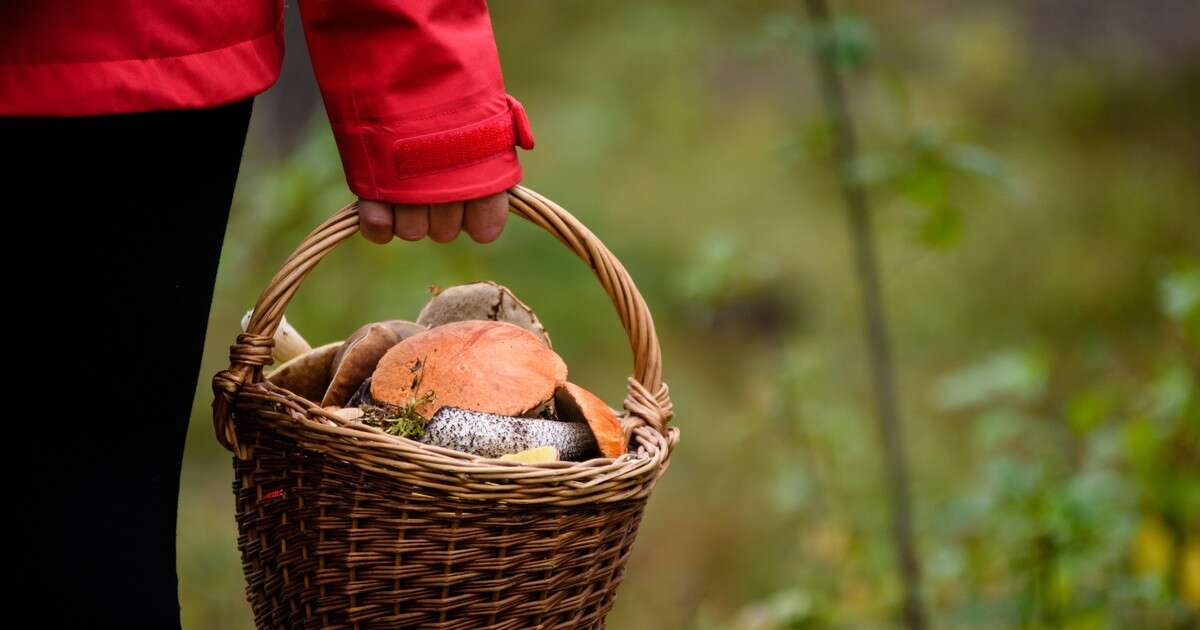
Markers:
(1034, 173)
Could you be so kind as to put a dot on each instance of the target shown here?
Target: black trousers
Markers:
(113, 246)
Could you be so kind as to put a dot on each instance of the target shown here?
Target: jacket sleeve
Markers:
(415, 97)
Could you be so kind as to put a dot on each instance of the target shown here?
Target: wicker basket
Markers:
(341, 525)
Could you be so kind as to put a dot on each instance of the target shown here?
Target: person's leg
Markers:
(120, 242)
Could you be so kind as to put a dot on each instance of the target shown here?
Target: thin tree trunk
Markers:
(876, 332)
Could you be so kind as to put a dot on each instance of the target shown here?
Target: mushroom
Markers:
(492, 435)
(481, 300)
(288, 343)
(356, 359)
(362, 395)
(532, 456)
(308, 374)
(404, 328)
(576, 404)
(349, 414)
(488, 366)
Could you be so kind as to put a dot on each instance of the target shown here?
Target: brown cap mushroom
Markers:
(308, 374)
(481, 300)
(404, 328)
(355, 361)
(576, 404)
(495, 367)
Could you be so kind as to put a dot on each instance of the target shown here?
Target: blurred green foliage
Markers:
(1044, 293)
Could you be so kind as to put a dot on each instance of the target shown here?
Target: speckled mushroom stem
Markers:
(492, 435)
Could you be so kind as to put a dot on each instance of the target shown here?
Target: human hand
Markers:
(483, 219)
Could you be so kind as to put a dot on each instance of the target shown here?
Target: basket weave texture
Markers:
(341, 525)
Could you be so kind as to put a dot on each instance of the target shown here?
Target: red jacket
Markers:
(412, 87)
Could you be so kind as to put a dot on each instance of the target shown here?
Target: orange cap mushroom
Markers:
(575, 403)
(488, 366)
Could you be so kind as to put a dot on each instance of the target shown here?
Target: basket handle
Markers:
(647, 404)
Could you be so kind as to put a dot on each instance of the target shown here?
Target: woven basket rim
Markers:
(462, 475)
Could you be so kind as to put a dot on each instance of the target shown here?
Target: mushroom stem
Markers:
(288, 343)
(492, 435)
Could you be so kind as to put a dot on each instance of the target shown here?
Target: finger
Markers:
(484, 219)
(375, 220)
(412, 222)
(445, 221)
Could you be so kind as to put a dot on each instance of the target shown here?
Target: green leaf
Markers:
(941, 227)
(849, 38)
(1088, 409)
(1142, 442)
(873, 168)
(996, 428)
(1172, 392)
(1179, 297)
(817, 137)
(854, 41)
(975, 160)
(926, 184)
(1016, 374)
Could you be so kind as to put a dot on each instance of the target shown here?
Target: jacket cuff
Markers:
(458, 164)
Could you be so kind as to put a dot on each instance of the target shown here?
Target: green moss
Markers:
(401, 420)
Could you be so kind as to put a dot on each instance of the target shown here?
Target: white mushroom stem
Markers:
(288, 343)
(492, 435)
(346, 413)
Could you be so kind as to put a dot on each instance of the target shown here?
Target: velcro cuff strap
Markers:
(465, 145)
